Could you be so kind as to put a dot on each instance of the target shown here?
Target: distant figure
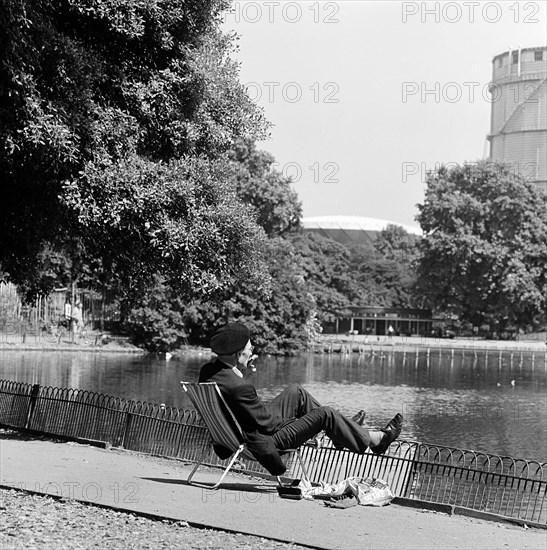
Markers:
(390, 332)
(77, 317)
(68, 311)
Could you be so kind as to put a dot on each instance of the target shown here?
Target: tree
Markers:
(180, 220)
(270, 193)
(158, 323)
(484, 251)
(395, 243)
(277, 322)
(396, 268)
(326, 273)
(115, 120)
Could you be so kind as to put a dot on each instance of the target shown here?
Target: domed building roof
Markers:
(347, 229)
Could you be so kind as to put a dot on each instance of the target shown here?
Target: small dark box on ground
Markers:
(291, 491)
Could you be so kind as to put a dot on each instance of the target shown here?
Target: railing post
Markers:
(127, 429)
(32, 403)
(411, 476)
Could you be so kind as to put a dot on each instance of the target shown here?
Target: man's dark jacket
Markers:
(256, 422)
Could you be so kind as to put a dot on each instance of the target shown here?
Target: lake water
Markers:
(465, 400)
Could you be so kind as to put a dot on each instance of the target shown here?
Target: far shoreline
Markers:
(343, 343)
(325, 344)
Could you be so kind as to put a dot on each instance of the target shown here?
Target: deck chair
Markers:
(223, 428)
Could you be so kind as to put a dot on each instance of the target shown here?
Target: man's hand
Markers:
(250, 363)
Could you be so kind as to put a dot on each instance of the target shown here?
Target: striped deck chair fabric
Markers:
(222, 426)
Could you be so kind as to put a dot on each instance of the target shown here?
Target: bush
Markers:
(157, 324)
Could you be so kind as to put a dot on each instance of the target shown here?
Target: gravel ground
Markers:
(32, 521)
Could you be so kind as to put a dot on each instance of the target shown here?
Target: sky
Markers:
(365, 96)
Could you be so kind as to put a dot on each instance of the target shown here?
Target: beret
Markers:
(230, 338)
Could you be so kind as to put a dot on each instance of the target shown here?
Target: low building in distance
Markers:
(365, 320)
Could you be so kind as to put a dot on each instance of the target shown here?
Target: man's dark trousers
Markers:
(305, 418)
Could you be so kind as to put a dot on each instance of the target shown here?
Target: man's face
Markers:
(245, 354)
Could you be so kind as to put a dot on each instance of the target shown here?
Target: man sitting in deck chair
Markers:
(291, 419)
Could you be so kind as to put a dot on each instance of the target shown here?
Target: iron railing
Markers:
(513, 488)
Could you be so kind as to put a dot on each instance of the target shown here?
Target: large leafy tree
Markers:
(277, 320)
(115, 117)
(484, 251)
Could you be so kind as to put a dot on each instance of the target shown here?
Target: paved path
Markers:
(144, 484)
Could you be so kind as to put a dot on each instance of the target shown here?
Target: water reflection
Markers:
(461, 399)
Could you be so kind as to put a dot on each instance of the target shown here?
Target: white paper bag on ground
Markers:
(368, 491)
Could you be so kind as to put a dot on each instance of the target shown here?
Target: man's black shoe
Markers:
(391, 433)
(359, 417)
